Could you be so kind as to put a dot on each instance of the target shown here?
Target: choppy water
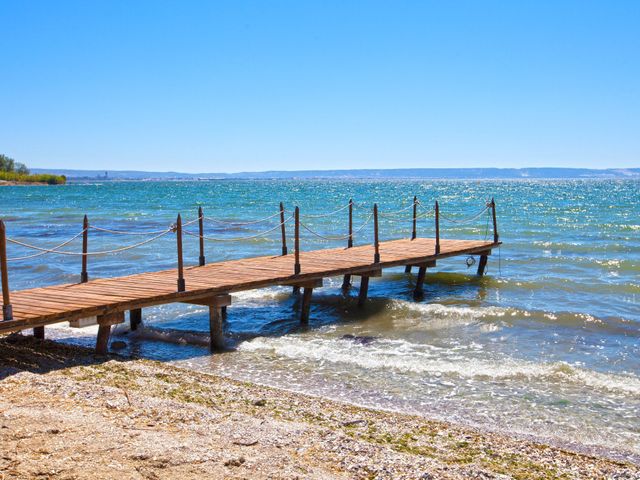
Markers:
(547, 344)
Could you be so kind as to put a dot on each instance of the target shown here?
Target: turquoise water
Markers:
(546, 345)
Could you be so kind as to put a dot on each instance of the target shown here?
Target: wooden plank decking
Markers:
(108, 296)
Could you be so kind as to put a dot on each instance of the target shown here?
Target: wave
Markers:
(405, 357)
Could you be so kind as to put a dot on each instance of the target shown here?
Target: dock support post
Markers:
(346, 282)
(216, 339)
(7, 310)
(306, 305)
(283, 230)
(135, 318)
(201, 258)
(181, 283)
(437, 228)
(38, 332)
(364, 290)
(84, 275)
(482, 265)
(414, 233)
(104, 330)
(419, 291)
(217, 309)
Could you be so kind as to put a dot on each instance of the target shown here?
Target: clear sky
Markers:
(245, 86)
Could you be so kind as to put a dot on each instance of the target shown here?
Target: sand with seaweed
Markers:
(65, 413)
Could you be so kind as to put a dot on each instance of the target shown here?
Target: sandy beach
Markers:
(65, 413)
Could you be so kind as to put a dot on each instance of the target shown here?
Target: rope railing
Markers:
(178, 230)
(341, 237)
(39, 254)
(89, 254)
(239, 239)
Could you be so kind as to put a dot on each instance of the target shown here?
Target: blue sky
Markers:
(244, 86)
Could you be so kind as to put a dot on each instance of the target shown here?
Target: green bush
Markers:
(36, 178)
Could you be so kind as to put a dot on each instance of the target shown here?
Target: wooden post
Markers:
(38, 332)
(216, 331)
(437, 228)
(7, 310)
(84, 275)
(496, 237)
(482, 265)
(135, 318)
(376, 240)
(419, 291)
(296, 267)
(346, 282)
(104, 330)
(414, 233)
(306, 305)
(364, 289)
(201, 259)
(282, 228)
(181, 284)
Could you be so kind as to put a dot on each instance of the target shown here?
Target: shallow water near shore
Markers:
(546, 344)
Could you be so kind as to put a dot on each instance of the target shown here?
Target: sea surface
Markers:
(546, 345)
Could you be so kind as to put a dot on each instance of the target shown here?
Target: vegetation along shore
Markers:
(65, 413)
(16, 173)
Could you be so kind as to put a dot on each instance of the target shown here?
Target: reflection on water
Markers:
(546, 344)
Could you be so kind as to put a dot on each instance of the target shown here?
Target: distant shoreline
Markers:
(356, 174)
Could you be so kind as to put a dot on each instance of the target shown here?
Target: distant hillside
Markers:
(427, 173)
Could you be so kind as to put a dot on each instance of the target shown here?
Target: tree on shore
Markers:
(8, 164)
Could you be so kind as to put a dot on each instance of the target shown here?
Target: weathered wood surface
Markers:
(99, 297)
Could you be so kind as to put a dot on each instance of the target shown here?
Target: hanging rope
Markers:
(322, 215)
(122, 232)
(39, 254)
(342, 237)
(398, 212)
(237, 239)
(240, 224)
(89, 254)
(465, 220)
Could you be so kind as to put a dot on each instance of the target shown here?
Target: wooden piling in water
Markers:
(306, 305)
(482, 265)
(419, 290)
(181, 283)
(135, 318)
(364, 290)
(201, 258)
(283, 230)
(84, 275)
(38, 332)
(7, 310)
(414, 232)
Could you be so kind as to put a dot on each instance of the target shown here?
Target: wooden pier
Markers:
(106, 300)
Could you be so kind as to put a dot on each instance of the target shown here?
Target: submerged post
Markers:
(84, 275)
(282, 228)
(7, 310)
(181, 284)
(201, 259)
(437, 228)
(376, 239)
(496, 237)
(346, 282)
(414, 232)
(296, 267)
